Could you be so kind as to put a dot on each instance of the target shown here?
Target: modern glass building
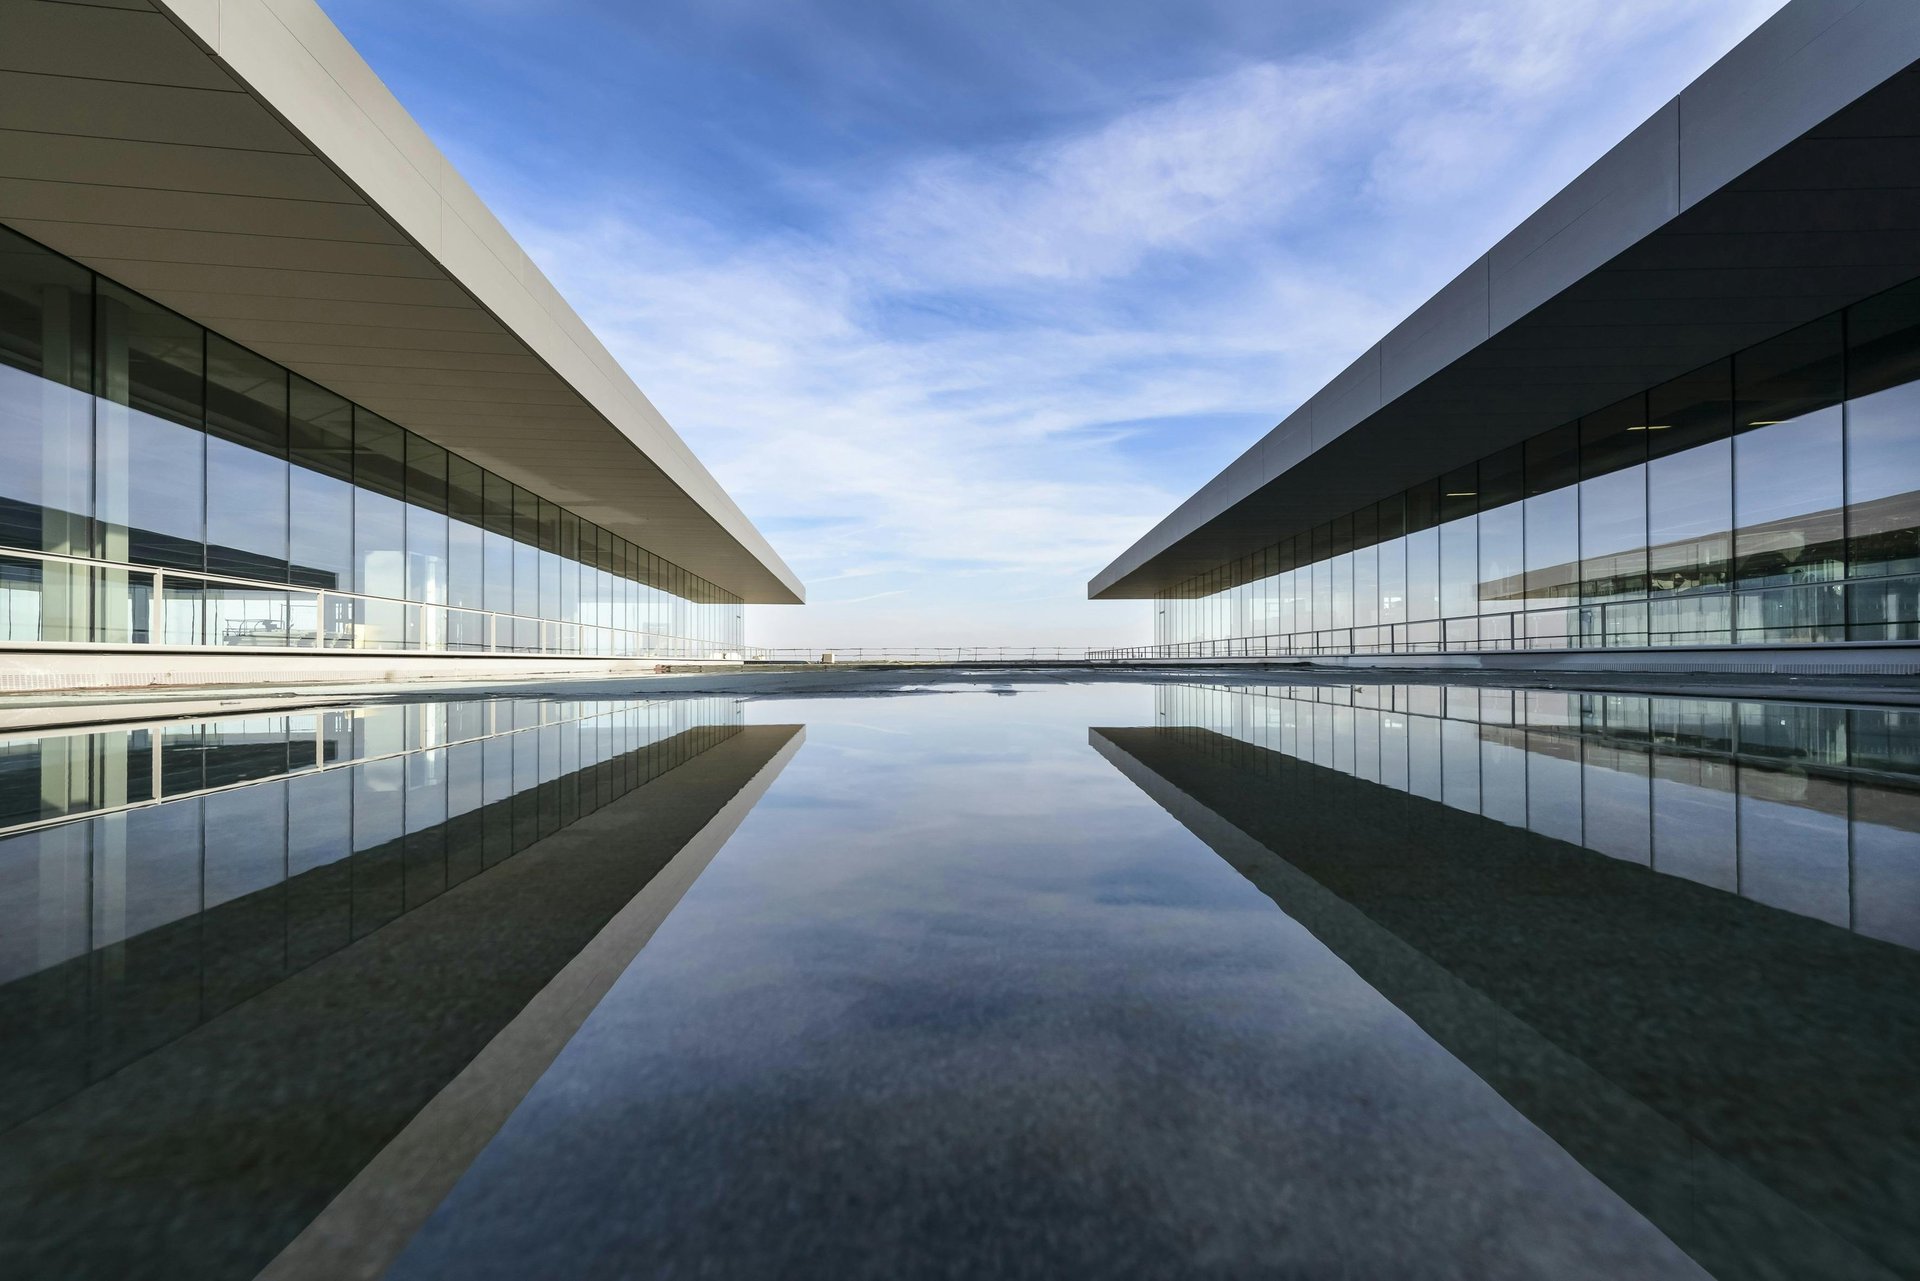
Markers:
(273, 380)
(161, 484)
(1505, 471)
(1770, 496)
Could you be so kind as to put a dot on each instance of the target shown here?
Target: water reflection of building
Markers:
(1492, 862)
(263, 943)
(1810, 808)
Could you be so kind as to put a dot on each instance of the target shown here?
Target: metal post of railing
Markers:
(156, 608)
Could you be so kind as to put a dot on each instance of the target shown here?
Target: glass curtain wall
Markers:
(159, 484)
(1772, 497)
(1813, 810)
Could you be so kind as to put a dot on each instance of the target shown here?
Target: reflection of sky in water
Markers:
(957, 998)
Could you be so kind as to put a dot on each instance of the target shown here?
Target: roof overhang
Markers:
(1780, 186)
(237, 161)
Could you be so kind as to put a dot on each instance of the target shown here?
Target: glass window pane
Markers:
(379, 514)
(46, 414)
(427, 555)
(48, 601)
(427, 533)
(498, 495)
(1459, 567)
(1613, 502)
(1788, 483)
(246, 397)
(1693, 409)
(1366, 590)
(569, 567)
(1503, 575)
(426, 474)
(1690, 519)
(246, 463)
(466, 555)
(247, 506)
(379, 455)
(1883, 433)
(1884, 609)
(1423, 575)
(1787, 501)
(320, 500)
(150, 455)
(526, 554)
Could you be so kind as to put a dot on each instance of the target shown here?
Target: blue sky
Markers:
(958, 297)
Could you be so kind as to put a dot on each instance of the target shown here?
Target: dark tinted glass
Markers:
(1553, 459)
(1392, 516)
(465, 551)
(46, 417)
(321, 430)
(46, 313)
(426, 475)
(1796, 374)
(1339, 540)
(498, 493)
(246, 463)
(1459, 493)
(152, 359)
(150, 451)
(1366, 528)
(1693, 409)
(1502, 478)
(1883, 433)
(320, 501)
(1423, 506)
(1614, 437)
(246, 397)
(379, 455)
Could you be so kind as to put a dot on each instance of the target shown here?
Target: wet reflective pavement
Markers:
(1037, 980)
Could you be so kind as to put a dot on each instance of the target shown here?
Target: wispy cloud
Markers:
(975, 373)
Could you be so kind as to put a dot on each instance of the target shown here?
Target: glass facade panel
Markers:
(1883, 434)
(46, 412)
(149, 447)
(1788, 474)
(466, 546)
(130, 435)
(246, 463)
(1613, 503)
(427, 529)
(1770, 497)
(320, 542)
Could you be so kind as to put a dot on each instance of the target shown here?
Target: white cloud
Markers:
(933, 393)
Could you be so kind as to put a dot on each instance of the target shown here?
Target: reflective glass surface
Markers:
(1771, 497)
(130, 435)
(980, 979)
